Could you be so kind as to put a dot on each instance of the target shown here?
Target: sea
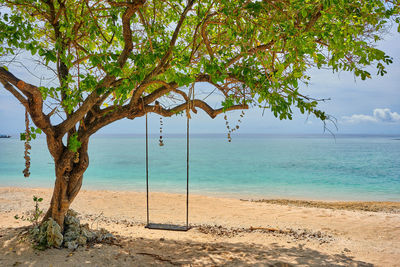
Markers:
(251, 166)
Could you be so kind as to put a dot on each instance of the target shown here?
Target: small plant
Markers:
(32, 217)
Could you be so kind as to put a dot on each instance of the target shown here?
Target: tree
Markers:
(115, 59)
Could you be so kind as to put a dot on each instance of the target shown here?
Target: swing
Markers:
(161, 226)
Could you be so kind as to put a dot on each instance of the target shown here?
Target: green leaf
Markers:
(73, 143)
(227, 103)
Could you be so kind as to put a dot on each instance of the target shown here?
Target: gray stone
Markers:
(41, 236)
(71, 245)
(71, 218)
(71, 234)
(90, 236)
(108, 236)
(53, 232)
(82, 240)
(72, 213)
(35, 232)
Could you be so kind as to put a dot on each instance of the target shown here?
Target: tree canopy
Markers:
(115, 59)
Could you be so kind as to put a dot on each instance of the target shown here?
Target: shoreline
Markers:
(350, 205)
(228, 195)
(224, 231)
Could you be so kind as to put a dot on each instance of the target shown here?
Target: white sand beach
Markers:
(229, 232)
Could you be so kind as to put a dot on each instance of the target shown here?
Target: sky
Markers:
(360, 107)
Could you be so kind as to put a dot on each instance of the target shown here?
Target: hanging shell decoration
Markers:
(28, 147)
(232, 129)
(161, 142)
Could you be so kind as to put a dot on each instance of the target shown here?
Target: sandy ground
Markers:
(225, 231)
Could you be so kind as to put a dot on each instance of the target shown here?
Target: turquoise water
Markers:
(307, 167)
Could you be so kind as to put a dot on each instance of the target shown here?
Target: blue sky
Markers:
(360, 107)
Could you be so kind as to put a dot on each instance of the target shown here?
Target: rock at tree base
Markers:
(86, 232)
(72, 227)
(54, 235)
(71, 218)
(82, 240)
(49, 234)
(71, 245)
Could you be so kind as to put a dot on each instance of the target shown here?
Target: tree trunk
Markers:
(69, 169)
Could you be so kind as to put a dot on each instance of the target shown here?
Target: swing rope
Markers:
(161, 226)
(187, 153)
(147, 172)
(147, 166)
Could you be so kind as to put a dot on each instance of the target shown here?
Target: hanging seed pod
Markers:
(27, 147)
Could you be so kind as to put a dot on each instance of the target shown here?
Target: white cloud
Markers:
(378, 115)
(386, 115)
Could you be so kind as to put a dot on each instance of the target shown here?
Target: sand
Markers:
(225, 231)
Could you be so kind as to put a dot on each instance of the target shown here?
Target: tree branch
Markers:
(76, 116)
(93, 98)
(126, 112)
(314, 18)
(13, 91)
(126, 28)
(10, 78)
(205, 38)
(166, 88)
(34, 100)
(194, 103)
(106, 119)
(176, 32)
(138, 92)
(250, 52)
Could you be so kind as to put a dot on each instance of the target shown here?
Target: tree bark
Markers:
(69, 169)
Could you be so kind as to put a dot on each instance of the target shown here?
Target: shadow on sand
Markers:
(156, 252)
